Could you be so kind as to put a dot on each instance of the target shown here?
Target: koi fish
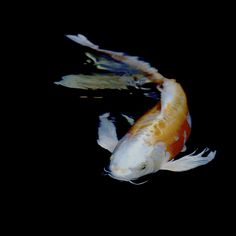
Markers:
(154, 141)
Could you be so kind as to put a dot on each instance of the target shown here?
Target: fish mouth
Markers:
(114, 176)
(130, 180)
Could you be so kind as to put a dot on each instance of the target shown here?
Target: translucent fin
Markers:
(107, 137)
(118, 61)
(96, 81)
(104, 62)
(129, 119)
(189, 162)
(81, 39)
(124, 71)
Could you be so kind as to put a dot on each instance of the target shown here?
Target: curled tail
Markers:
(118, 70)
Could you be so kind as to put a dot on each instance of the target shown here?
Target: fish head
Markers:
(131, 160)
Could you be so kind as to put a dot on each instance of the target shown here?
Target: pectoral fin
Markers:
(189, 162)
(107, 137)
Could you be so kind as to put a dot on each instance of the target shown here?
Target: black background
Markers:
(63, 165)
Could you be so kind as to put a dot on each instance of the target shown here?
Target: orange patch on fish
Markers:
(146, 120)
(182, 134)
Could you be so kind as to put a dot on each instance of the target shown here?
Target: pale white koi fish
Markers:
(156, 138)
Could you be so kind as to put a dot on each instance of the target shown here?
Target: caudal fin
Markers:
(189, 162)
(96, 81)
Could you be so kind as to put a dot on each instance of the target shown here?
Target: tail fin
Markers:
(189, 162)
(81, 39)
(97, 81)
(122, 71)
(131, 61)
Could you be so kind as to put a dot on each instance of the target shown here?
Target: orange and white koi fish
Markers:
(158, 136)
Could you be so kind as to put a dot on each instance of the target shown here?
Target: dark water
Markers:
(65, 168)
(73, 159)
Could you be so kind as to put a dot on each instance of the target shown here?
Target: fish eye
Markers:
(143, 166)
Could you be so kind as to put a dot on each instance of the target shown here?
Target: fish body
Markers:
(156, 138)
